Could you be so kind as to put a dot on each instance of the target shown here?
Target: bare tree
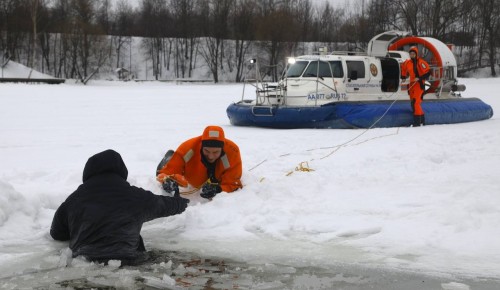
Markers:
(217, 30)
(14, 23)
(243, 21)
(304, 12)
(330, 20)
(100, 55)
(383, 16)
(464, 34)
(83, 48)
(103, 12)
(66, 36)
(185, 30)
(411, 12)
(83, 13)
(44, 31)
(62, 30)
(155, 18)
(489, 13)
(278, 29)
(121, 30)
(440, 15)
(34, 19)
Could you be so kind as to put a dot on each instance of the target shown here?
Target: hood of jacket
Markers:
(213, 136)
(108, 161)
(415, 49)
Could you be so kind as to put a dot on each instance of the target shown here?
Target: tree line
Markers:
(79, 38)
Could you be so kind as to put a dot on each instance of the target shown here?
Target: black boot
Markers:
(416, 121)
(165, 160)
(422, 120)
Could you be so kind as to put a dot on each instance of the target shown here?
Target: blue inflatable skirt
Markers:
(350, 115)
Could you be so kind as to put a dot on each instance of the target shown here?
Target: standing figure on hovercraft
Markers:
(418, 70)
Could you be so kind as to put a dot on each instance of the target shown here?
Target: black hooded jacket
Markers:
(102, 219)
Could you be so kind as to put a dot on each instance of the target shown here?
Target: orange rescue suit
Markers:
(187, 161)
(417, 68)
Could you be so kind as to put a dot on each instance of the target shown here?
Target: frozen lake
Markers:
(393, 208)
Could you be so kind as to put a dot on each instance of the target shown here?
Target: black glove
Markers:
(183, 203)
(170, 186)
(210, 190)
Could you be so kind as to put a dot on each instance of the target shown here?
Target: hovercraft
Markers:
(344, 90)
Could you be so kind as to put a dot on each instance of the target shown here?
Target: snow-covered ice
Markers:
(421, 200)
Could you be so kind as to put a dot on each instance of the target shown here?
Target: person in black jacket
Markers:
(102, 219)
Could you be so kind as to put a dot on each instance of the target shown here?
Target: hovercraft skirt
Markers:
(350, 115)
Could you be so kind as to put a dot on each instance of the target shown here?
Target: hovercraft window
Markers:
(337, 70)
(313, 71)
(296, 69)
(356, 66)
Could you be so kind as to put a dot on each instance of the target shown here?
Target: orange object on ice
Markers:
(209, 156)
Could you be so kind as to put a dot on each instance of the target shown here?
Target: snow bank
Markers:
(17, 70)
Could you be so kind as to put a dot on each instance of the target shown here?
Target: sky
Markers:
(419, 200)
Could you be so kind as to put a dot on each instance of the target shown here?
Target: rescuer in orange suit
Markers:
(210, 162)
(418, 70)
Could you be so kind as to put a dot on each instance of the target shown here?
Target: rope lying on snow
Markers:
(302, 168)
(337, 147)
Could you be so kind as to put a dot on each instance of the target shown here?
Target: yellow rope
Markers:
(188, 192)
(303, 166)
